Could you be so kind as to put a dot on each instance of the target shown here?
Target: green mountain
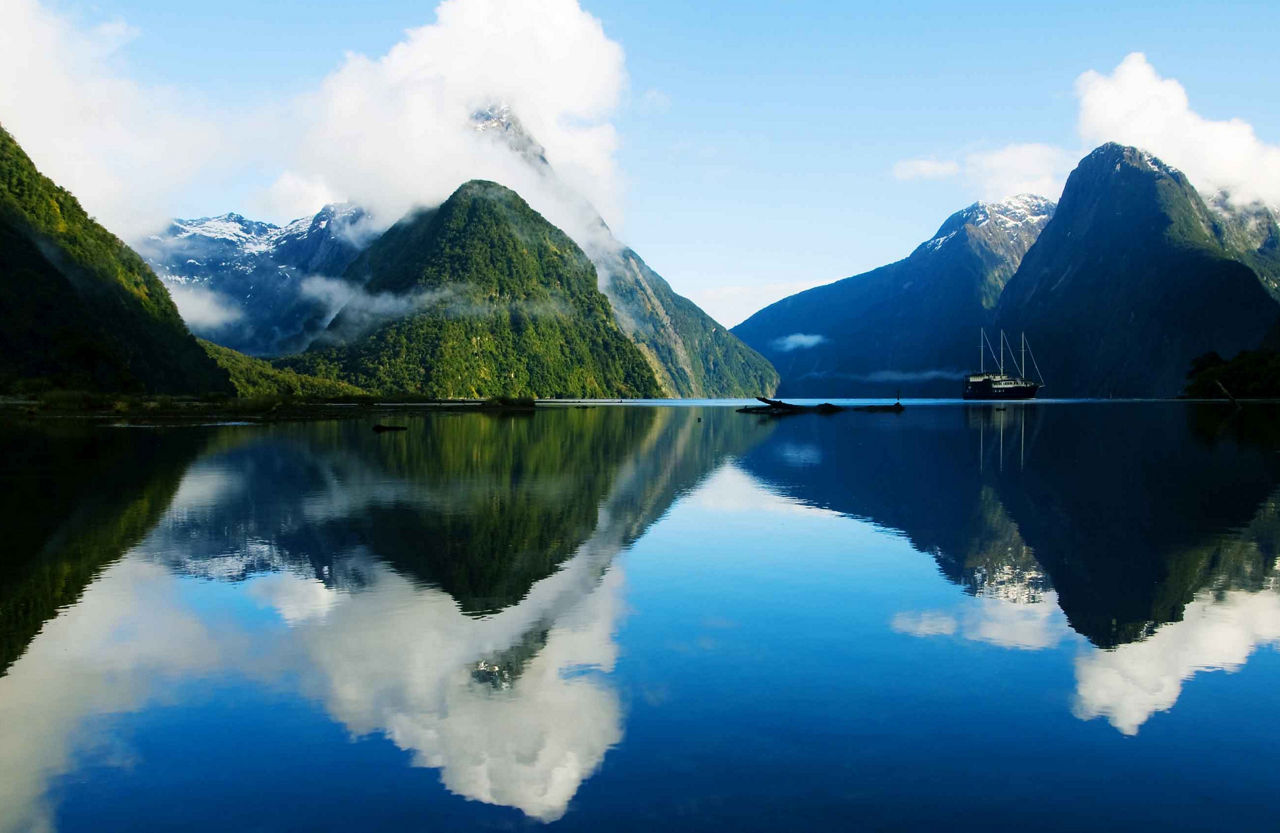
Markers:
(78, 308)
(691, 354)
(1133, 278)
(911, 326)
(480, 297)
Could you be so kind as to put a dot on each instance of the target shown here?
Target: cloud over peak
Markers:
(1132, 105)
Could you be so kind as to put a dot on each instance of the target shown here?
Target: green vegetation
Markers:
(78, 308)
(501, 303)
(255, 378)
(691, 354)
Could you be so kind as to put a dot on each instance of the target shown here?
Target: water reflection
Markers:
(455, 591)
(451, 588)
(1150, 530)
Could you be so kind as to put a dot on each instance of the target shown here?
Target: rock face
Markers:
(481, 297)
(78, 308)
(1135, 276)
(270, 278)
(691, 354)
(911, 326)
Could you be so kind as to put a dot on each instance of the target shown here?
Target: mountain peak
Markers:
(498, 122)
(1117, 156)
(1023, 214)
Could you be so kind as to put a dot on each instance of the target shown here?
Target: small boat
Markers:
(1000, 385)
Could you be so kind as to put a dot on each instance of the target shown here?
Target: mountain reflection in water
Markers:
(1154, 538)
(456, 589)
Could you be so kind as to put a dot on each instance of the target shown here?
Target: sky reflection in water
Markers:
(621, 616)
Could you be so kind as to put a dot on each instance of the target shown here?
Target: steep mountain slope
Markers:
(78, 308)
(1132, 279)
(691, 354)
(1252, 234)
(480, 297)
(260, 272)
(911, 326)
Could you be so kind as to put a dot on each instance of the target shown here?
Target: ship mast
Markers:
(1002, 352)
(982, 351)
(1022, 371)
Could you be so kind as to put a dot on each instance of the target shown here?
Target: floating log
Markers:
(776, 407)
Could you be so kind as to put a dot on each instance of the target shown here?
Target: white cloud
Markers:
(1028, 168)
(203, 309)
(909, 169)
(1021, 168)
(124, 149)
(925, 623)
(389, 132)
(1133, 682)
(394, 131)
(1027, 626)
(798, 341)
(1134, 105)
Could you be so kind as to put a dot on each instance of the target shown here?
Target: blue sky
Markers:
(757, 141)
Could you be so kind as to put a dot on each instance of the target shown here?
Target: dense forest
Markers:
(492, 301)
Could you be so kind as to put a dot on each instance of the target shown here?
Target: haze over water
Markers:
(960, 617)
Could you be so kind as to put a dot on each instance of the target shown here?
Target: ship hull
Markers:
(996, 391)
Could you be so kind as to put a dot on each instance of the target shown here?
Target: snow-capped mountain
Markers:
(256, 273)
(907, 327)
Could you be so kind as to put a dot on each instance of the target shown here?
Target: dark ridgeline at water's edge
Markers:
(1087, 500)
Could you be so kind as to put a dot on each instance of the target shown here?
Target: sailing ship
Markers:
(1000, 385)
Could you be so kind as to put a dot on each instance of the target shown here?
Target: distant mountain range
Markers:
(261, 270)
(911, 326)
(274, 279)
(1118, 288)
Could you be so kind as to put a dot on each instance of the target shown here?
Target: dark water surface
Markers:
(1050, 617)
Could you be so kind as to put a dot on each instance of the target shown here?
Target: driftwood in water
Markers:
(776, 407)
(379, 428)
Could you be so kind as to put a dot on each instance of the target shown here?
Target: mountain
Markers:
(78, 308)
(480, 297)
(911, 326)
(691, 354)
(260, 272)
(1251, 233)
(1134, 277)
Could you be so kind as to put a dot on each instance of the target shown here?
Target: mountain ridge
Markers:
(909, 326)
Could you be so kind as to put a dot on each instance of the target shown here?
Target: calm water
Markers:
(1058, 616)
